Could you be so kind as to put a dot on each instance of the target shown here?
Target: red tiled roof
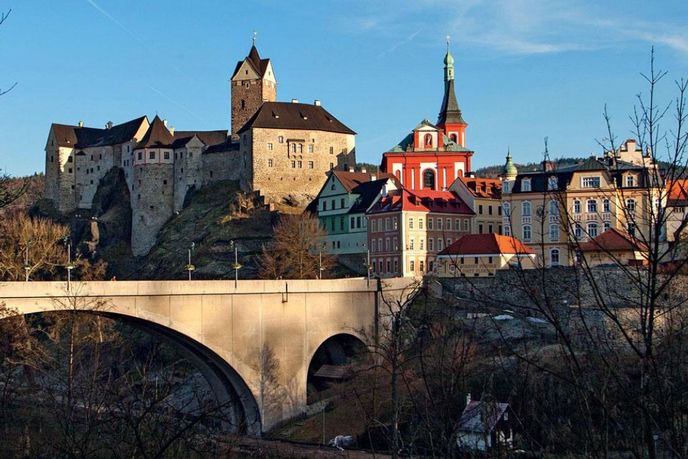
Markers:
(207, 137)
(613, 240)
(483, 187)
(422, 201)
(677, 192)
(157, 136)
(487, 244)
(351, 180)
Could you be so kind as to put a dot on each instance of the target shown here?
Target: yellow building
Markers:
(554, 209)
(484, 196)
(614, 247)
(480, 255)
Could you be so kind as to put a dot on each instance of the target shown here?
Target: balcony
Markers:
(591, 217)
(525, 220)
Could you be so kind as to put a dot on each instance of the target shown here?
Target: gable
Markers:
(245, 72)
(328, 190)
(269, 74)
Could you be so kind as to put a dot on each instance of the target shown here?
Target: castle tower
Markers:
(252, 83)
(450, 119)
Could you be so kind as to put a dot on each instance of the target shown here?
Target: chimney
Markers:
(363, 169)
(295, 101)
(373, 177)
(164, 122)
(351, 169)
(108, 125)
(317, 102)
(81, 124)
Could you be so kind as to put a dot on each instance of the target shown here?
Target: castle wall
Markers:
(276, 169)
(91, 167)
(152, 201)
(188, 171)
(225, 165)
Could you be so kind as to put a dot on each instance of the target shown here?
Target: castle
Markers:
(274, 148)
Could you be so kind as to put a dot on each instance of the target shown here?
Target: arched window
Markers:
(592, 206)
(576, 206)
(525, 209)
(300, 148)
(592, 229)
(293, 148)
(453, 137)
(526, 233)
(554, 257)
(630, 206)
(428, 140)
(553, 208)
(429, 179)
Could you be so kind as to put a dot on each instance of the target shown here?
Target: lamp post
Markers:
(236, 266)
(189, 267)
(69, 266)
(27, 268)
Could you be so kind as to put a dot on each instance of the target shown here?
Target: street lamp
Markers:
(27, 268)
(236, 266)
(189, 267)
(366, 263)
(69, 265)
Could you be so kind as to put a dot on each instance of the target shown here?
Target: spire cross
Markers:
(255, 34)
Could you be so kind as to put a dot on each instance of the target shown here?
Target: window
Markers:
(396, 265)
(293, 148)
(310, 148)
(389, 266)
(480, 209)
(554, 233)
(386, 223)
(631, 229)
(270, 163)
(449, 242)
(331, 150)
(592, 206)
(466, 225)
(606, 205)
(607, 225)
(526, 233)
(411, 244)
(379, 244)
(525, 209)
(324, 205)
(395, 242)
(386, 244)
(280, 139)
(457, 224)
(395, 223)
(430, 223)
(630, 181)
(553, 183)
(439, 224)
(431, 244)
(270, 146)
(427, 140)
(421, 244)
(489, 210)
(630, 206)
(373, 245)
(525, 185)
(576, 207)
(429, 179)
(448, 224)
(420, 223)
(590, 182)
(374, 225)
(352, 222)
(554, 257)
(578, 232)
(506, 186)
(140, 155)
(412, 266)
(166, 155)
(553, 209)
(440, 244)
(507, 230)
(358, 222)
(331, 166)
(151, 155)
(480, 228)
(592, 229)
(506, 206)
(293, 164)
(341, 203)
(410, 223)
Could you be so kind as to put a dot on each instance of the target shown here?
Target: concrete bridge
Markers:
(229, 332)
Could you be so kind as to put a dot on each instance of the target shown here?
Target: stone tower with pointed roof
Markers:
(450, 118)
(252, 83)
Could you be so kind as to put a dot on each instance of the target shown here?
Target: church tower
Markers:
(252, 83)
(450, 119)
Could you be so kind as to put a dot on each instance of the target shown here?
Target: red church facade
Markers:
(432, 156)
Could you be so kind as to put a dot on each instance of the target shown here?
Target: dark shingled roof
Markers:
(481, 417)
(157, 136)
(181, 138)
(450, 111)
(253, 58)
(367, 193)
(289, 115)
(84, 137)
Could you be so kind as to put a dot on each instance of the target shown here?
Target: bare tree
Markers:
(3, 18)
(296, 251)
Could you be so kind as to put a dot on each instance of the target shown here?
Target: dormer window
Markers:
(553, 183)
(630, 181)
(453, 137)
(525, 185)
(428, 140)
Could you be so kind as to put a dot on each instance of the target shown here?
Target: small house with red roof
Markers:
(677, 202)
(613, 247)
(407, 229)
(481, 255)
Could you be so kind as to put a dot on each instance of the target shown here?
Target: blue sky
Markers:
(525, 69)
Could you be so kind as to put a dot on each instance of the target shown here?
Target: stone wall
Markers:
(152, 204)
(280, 171)
(220, 166)
(247, 97)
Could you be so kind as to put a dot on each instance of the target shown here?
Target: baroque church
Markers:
(272, 148)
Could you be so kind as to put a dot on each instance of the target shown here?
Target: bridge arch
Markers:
(227, 385)
(336, 350)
